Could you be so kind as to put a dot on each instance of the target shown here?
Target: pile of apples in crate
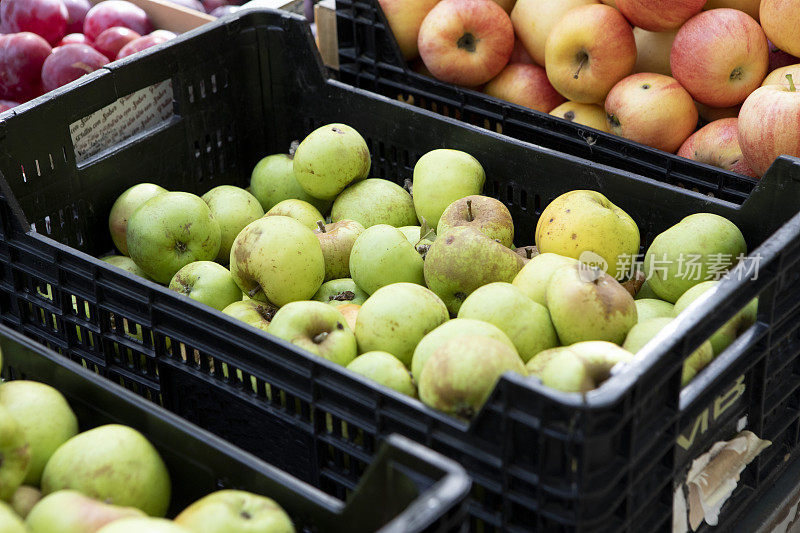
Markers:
(110, 479)
(425, 292)
(641, 69)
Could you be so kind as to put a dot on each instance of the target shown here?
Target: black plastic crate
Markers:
(407, 488)
(370, 58)
(248, 85)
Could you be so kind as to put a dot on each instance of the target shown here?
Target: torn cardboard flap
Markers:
(712, 479)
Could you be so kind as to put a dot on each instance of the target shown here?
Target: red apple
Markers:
(778, 76)
(21, 58)
(717, 144)
(520, 55)
(589, 50)
(47, 18)
(111, 41)
(748, 6)
(5, 105)
(524, 85)
(591, 115)
(659, 15)
(778, 58)
(76, 10)
(405, 18)
(781, 20)
(534, 19)
(221, 11)
(466, 42)
(768, 125)
(651, 109)
(68, 63)
(211, 5)
(74, 38)
(142, 43)
(115, 13)
(720, 57)
(652, 51)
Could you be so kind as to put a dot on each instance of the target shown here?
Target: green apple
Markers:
(206, 282)
(462, 259)
(277, 259)
(301, 211)
(653, 308)
(487, 215)
(143, 525)
(415, 236)
(337, 240)
(461, 374)
(316, 327)
(69, 511)
(734, 327)
(15, 455)
(375, 201)
(9, 521)
(24, 499)
(340, 291)
(699, 248)
(125, 263)
(525, 322)
(587, 304)
(533, 278)
(252, 312)
(114, 464)
(396, 317)
(585, 224)
(273, 181)
(646, 292)
(440, 178)
(124, 206)
(329, 159)
(457, 327)
(235, 511)
(386, 369)
(171, 230)
(45, 417)
(233, 208)
(381, 256)
(580, 367)
(644, 331)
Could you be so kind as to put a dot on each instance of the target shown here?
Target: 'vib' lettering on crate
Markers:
(712, 413)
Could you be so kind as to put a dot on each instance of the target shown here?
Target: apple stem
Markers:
(584, 57)
(321, 225)
(293, 148)
(791, 83)
(470, 217)
(318, 338)
(528, 252)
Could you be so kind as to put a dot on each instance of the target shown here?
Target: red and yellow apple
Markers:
(520, 55)
(405, 17)
(652, 51)
(659, 15)
(525, 85)
(589, 50)
(533, 20)
(651, 109)
(591, 115)
(748, 6)
(717, 144)
(466, 42)
(768, 125)
(778, 76)
(781, 20)
(720, 57)
(710, 114)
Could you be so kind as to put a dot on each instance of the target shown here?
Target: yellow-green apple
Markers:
(235, 511)
(748, 6)
(457, 327)
(440, 178)
(710, 114)
(329, 159)
(350, 313)
(24, 499)
(340, 291)
(700, 247)
(580, 224)
(768, 125)
(652, 50)
(316, 327)
(418, 236)
(452, 272)
(591, 115)
(651, 109)
(385, 369)
(45, 417)
(9, 521)
(381, 256)
(69, 511)
(487, 215)
(653, 308)
(143, 525)
(581, 367)
(520, 55)
(586, 304)
(252, 312)
(466, 42)
(396, 317)
(526, 322)
(778, 58)
(404, 18)
(125, 263)
(301, 211)
(123, 208)
(717, 144)
(207, 282)
(720, 56)
(114, 464)
(780, 20)
(461, 374)
(273, 181)
(778, 76)
(589, 50)
(533, 20)
(171, 230)
(277, 259)
(15, 453)
(337, 241)
(234, 208)
(375, 201)
(532, 279)
(659, 15)
(525, 85)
